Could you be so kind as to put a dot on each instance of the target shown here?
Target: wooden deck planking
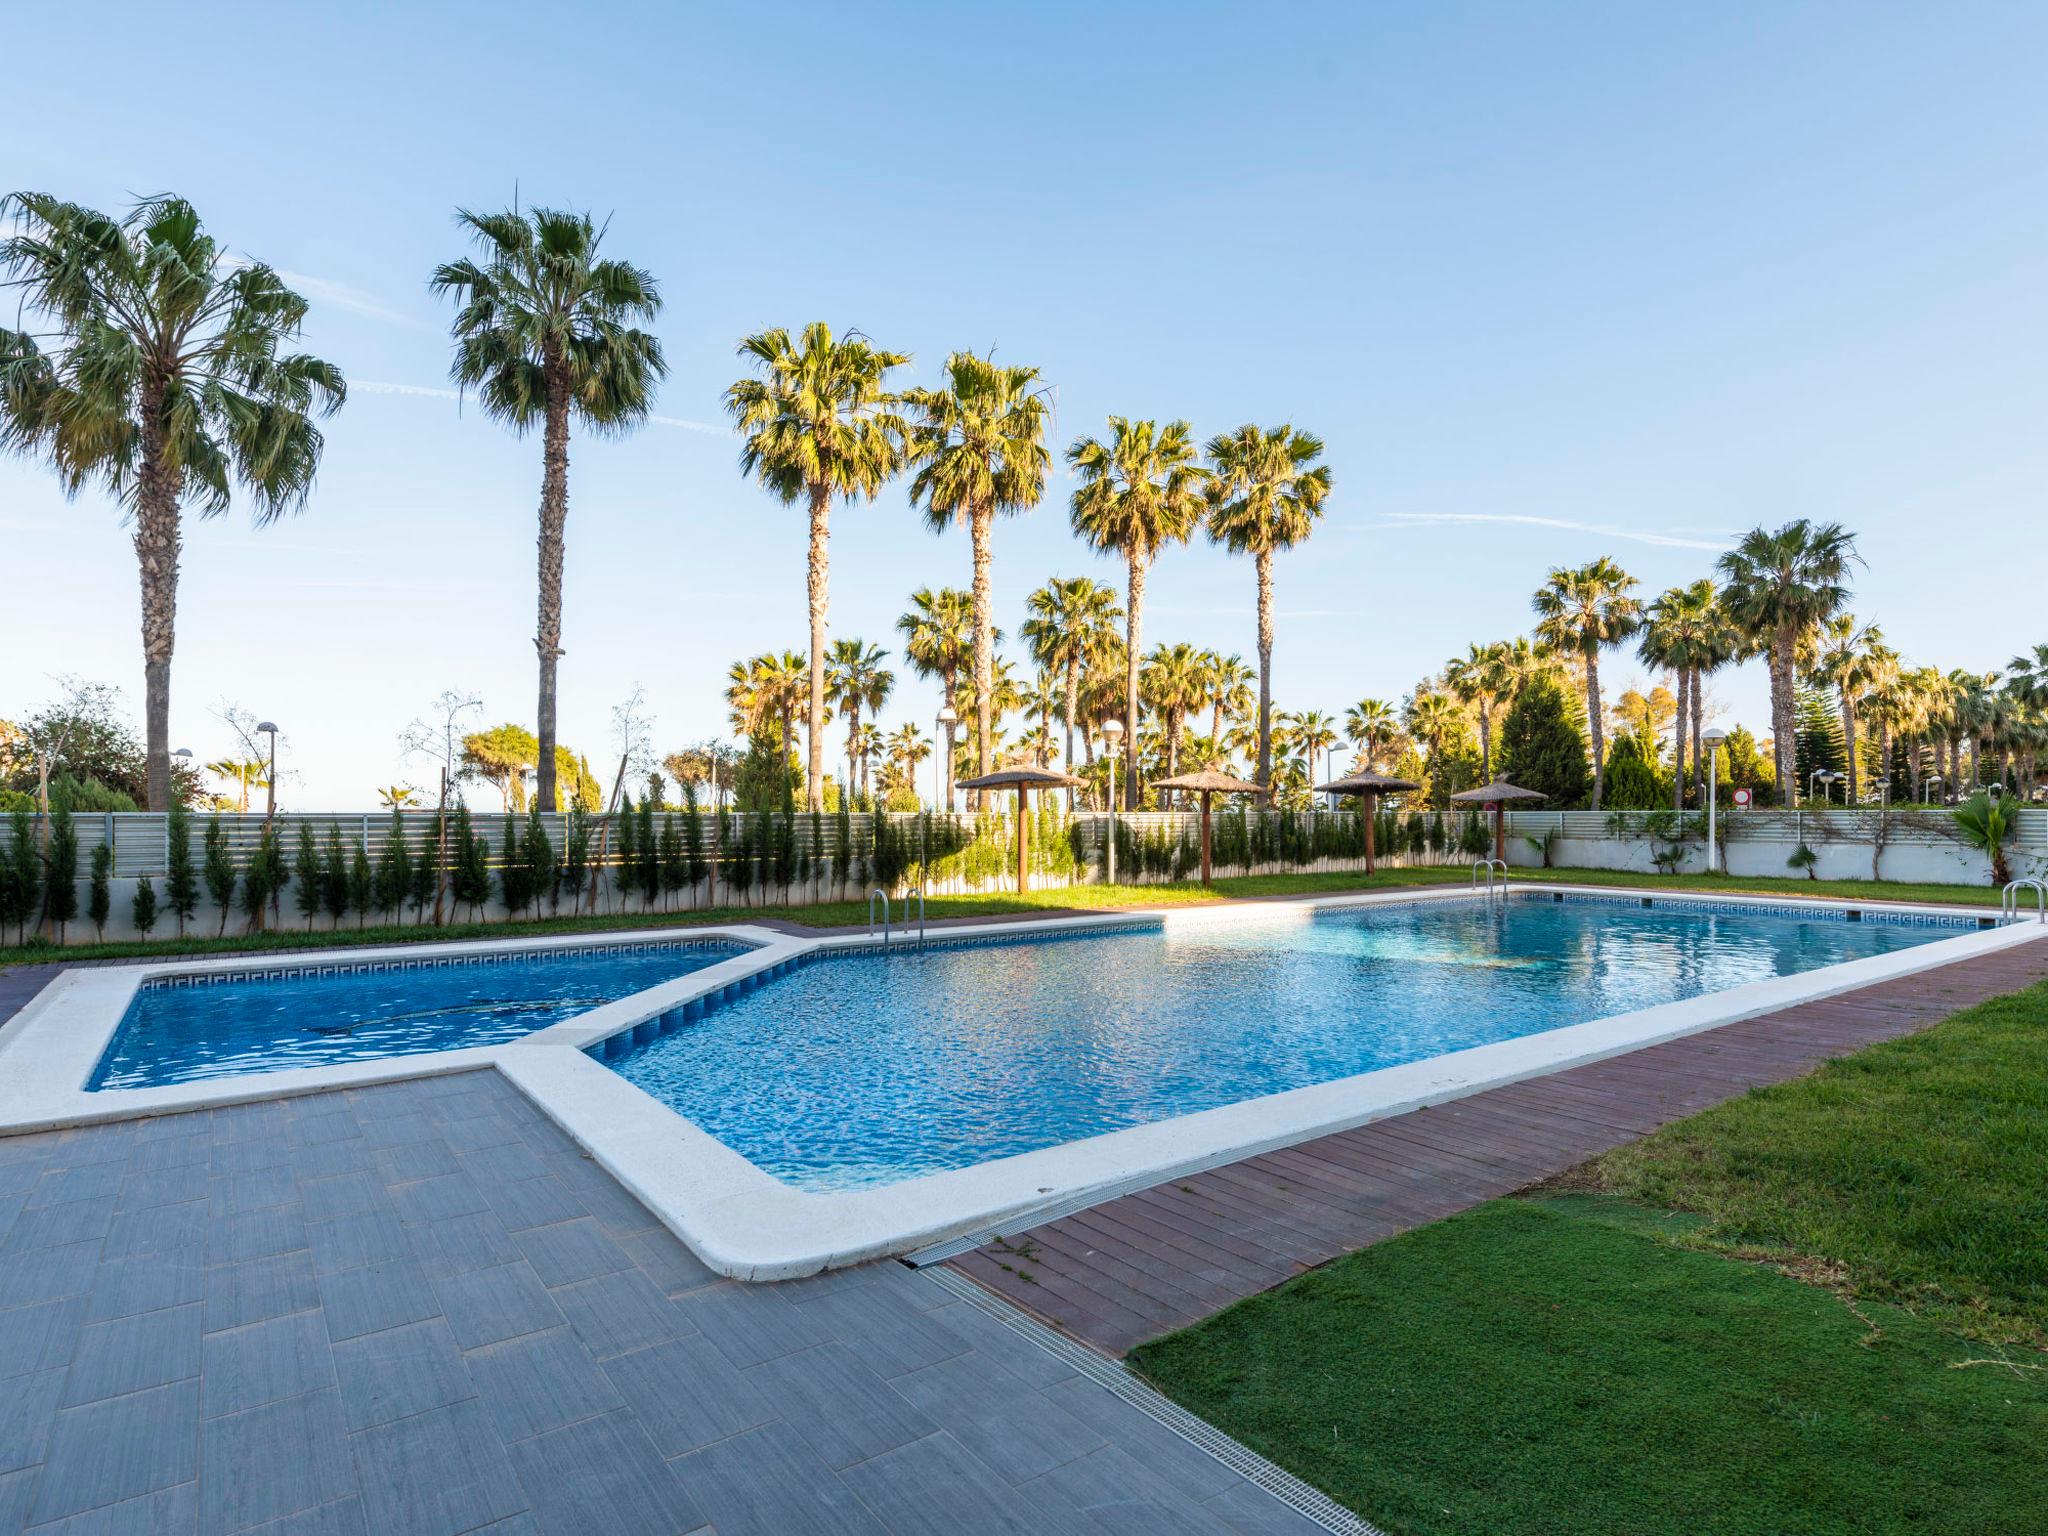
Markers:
(1144, 1264)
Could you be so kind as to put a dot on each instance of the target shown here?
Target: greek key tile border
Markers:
(287, 971)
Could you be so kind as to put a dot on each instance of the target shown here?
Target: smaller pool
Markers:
(184, 1029)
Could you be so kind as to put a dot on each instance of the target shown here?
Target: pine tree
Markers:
(647, 868)
(693, 839)
(219, 869)
(334, 878)
(181, 881)
(1542, 745)
(100, 898)
(515, 880)
(674, 865)
(21, 879)
(143, 913)
(307, 875)
(543, 873)
(426, 877)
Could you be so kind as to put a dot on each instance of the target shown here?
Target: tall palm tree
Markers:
(1777, 588)
(1139, 492)
(544, 332)
(1314, 732)
(1587, 610)
(1433, 717)
(979, 446)
(1366, 724)
(1070, 620)
(1685, 632)
(903, 749)
(768, 688)
(1483, 678)
(1174, 685)
(153, 364)
(818, 423)
(1265, 493)
(856, 680)
(1843, 659)
(1043, 698)
(1230, 690)
(938, 634)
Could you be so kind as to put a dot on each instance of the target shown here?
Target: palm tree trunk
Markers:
(1699, 720)
(554, 516)
(852, 743)
(1134, 629)
(1786, 747)
(1593, 724)
(817, 577)
(157, 540)
(1678, 741)
(984, 644)
(1849, 737)
(949, 679)
(1264, 563)
(1073, 704)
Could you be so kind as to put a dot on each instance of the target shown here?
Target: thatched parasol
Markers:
(1206, 783)
(1023, 780)
(1500, 794)
(1372, 786)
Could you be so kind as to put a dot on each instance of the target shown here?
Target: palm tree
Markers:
(979, 447)
(1071, 618)
(1265, 493)
(243, 772)
(1042, 700)
(1843, 660)
(1433, 717)
(1587, 610)
(157, 372)
(1686, 633)
(856, 680)
(937, 635)
(544, 333)
(902, 750)
(1366, 724)
(1314, 732)
(1483, 678)
(767, 688)
(1230, 690)
(1139, 492)
(818, 424)
(1174, 684)
(1777, 588)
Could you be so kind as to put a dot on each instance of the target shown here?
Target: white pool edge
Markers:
(749, 1225)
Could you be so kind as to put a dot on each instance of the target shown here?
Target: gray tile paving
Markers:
(419, 1308)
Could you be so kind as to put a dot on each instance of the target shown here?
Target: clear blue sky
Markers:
(1554, 282)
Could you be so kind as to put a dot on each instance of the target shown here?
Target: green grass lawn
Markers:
(1820, 1308)
(1090, 898)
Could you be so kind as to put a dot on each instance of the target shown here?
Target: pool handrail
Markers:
(918, 892)
(1490, 865)
(2009, 899)
(884, 895)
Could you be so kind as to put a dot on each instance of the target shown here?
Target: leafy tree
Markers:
(143, 913)
(1266, 492)
(1748, 768)
(21, 876)
(1543, 747)
(167, 384)
(219, 869)
(979, 446)
(1138, 493)
(181, 881)
(817, 424)
(334, 889)
(545, 333)
(307, 876)
(99, 902)
(504, 755)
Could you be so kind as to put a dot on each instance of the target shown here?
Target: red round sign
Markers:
(1742, 798)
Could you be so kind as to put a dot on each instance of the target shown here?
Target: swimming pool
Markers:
(219, 1024)
(861, 1068)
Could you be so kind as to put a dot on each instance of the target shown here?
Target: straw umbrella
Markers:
(1372, 786)
(1206, 783)
(1023, 780)
(1500, 794)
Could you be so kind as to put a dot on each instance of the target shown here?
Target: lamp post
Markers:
(1824, 777)
(1713, 736)
(1112, 734)
(266, 728)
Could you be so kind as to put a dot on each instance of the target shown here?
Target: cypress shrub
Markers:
(675, 865)
(181, 881)
(219, 869)
(143, 913)
(693, 839)
(362, 884)
(515, 880)
(394, 869)
(261, 876)
(100, 896)
(575, 855)
(842, 848)
(426, 878)
(625, 872)
(647, 867)
(307, 875)
(334, 878)
(21, 875)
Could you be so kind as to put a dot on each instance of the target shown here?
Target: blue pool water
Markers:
(862, 1069)
(177, 1034)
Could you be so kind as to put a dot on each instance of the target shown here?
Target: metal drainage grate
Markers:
(1308, 1502)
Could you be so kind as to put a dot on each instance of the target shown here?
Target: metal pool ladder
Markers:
(1489, 866)
(918, 892)
(883, 896)
(2009, 899)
